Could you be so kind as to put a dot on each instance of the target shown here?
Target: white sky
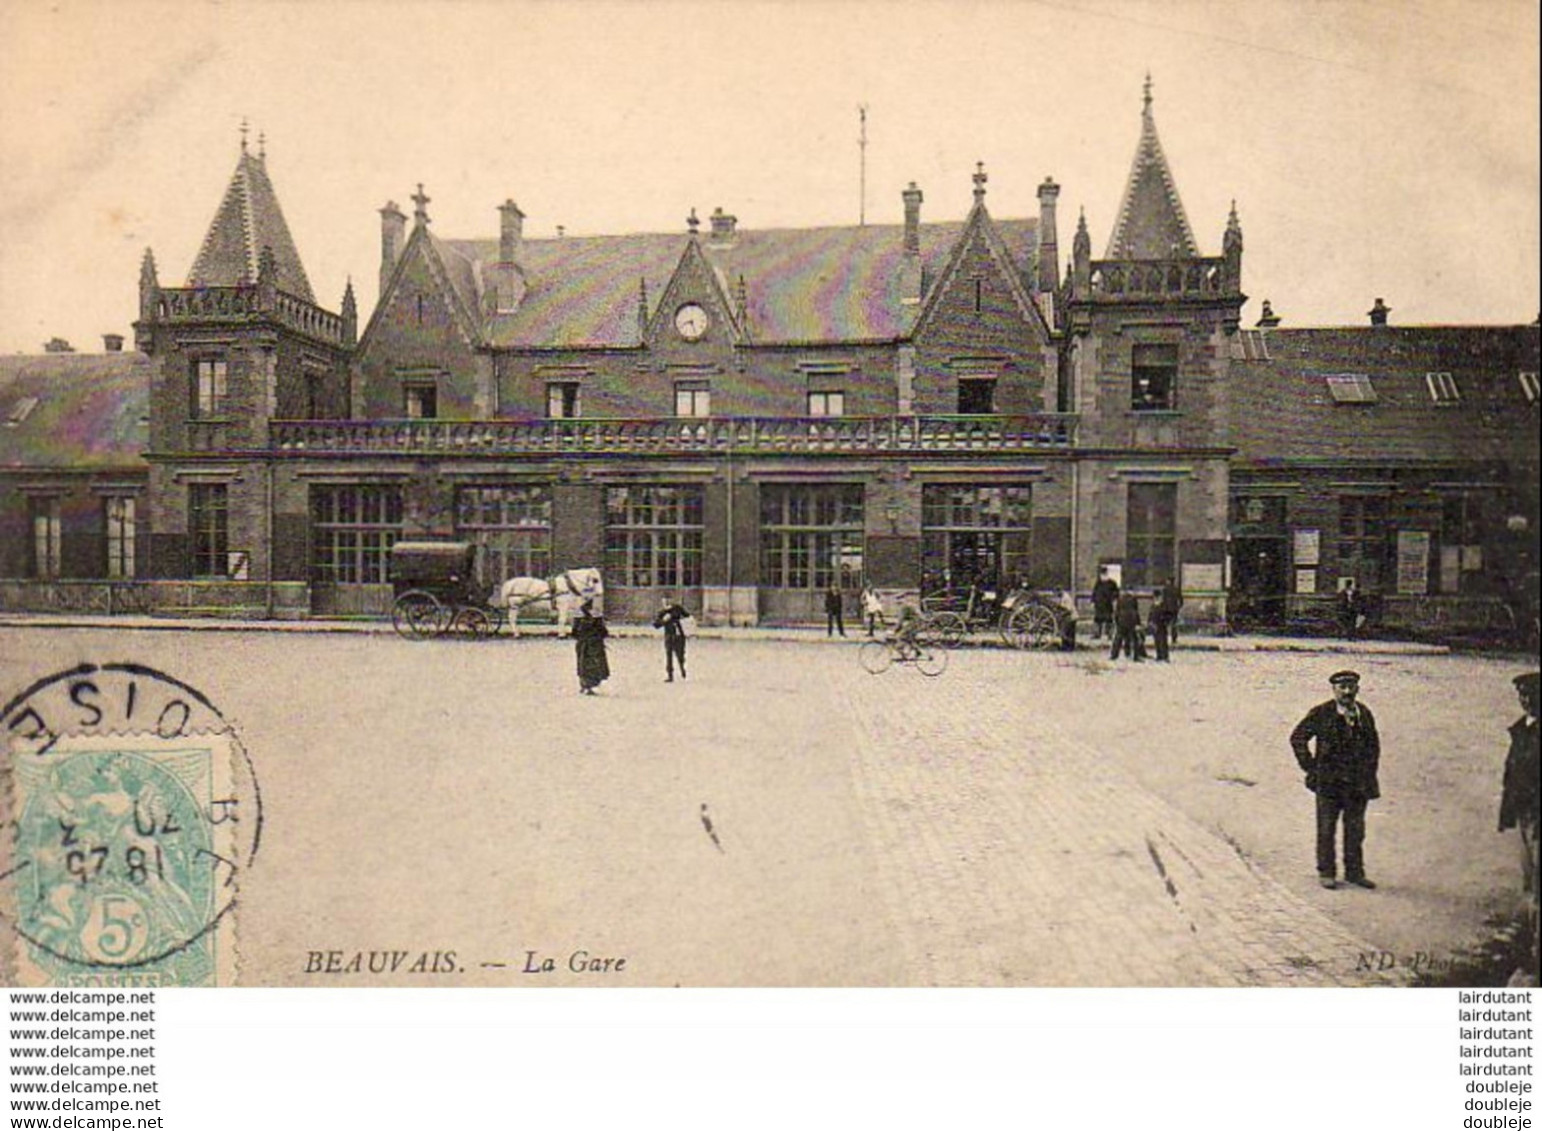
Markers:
(1381, 147)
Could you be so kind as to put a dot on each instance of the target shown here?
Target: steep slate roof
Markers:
(1282, 410)
(248, 220)
(89, 414)
(803, 284)
(1151, 222)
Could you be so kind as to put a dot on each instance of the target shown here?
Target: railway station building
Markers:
(741, 417)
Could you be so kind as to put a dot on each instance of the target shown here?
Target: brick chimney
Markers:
(112, 343)
(723, 225)
(1379, 313)
(1049, 240)
(912, 198)
(511, 232)
(393, 237)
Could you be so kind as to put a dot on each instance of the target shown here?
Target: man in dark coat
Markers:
(1341, 771)
(1518, 804)
(834, 609)
(1105, 594)
(671, 618)
(589, 633)
(1164, 612)
(1128, 633)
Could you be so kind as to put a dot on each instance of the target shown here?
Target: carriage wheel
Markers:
(946, 629)
(476, 622)
(419, 615)
(1032, 626)
(876, 656)
(932, 661)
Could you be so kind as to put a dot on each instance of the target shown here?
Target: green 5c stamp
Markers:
(134, 814)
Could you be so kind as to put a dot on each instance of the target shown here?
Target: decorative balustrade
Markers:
(244, 303)
(742, 435)
(1157, 278)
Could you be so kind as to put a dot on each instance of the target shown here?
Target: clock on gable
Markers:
(691, 321)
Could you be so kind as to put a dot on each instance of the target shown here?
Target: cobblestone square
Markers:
(784, 818)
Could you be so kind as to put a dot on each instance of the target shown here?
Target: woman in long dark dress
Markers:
(589, 633)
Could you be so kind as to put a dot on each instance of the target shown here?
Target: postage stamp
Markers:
(133, 813)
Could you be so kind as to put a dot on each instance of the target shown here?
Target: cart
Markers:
(1021, 617)
(437, 591)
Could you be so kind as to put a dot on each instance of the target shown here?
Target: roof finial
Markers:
(420, 205)
(691, 221)
(1147, 108)
(244, 127)
(262, 147)
(980, 178)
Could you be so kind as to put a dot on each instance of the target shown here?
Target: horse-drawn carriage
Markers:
(437, 591)
(1023, 618)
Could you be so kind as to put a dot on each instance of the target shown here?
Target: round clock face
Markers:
(691, 321)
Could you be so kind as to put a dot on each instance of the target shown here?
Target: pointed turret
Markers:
(149, 286)
(249, 219)
(1231, 252)
(1151, 223)
(350, 313)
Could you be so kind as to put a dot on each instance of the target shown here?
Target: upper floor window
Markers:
(976, 396)
(693, 398)
(1443, 388)
(827, 404)
(210, 387)
(420, 400)
(1153, 377)
(562, 400)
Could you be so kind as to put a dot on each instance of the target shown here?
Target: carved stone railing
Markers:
(244, 303)
(736, 435)
(1157, 278)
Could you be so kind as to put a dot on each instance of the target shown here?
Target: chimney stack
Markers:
(1049, 240)
(1379, 313)
(112, 343)
(511, 232)
(723, 225)
(393, 237)
(912, 198)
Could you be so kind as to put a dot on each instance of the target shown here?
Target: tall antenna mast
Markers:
(862, 147)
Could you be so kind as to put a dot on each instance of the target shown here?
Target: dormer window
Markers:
(977, 395)
(420, 400)
(1529, 385)
(1351, 388)
(1443, 389)
(1153, 377)
(830, 403)
(693, 398)
(561, 400)
(23, 409)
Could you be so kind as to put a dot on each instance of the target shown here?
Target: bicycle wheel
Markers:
(1032, 626)
(876, 656)
(932, 660)
(947, 629)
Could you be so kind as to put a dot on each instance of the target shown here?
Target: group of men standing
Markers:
(1117, 613)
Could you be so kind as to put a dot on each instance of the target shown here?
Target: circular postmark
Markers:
(134, 812)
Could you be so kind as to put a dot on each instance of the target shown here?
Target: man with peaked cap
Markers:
(1518, 808)
(1338, 749)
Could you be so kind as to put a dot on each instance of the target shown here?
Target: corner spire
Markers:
(1152, 223)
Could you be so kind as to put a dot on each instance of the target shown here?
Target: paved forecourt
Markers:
(780, 818)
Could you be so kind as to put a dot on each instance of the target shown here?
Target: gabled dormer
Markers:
(694, 316)
(418, 357)
(981, 342)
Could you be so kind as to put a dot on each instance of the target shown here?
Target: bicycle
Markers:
(930, 657)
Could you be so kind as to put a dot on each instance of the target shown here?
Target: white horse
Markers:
(565, 592)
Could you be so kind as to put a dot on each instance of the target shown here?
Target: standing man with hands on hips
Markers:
(1341, 771)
